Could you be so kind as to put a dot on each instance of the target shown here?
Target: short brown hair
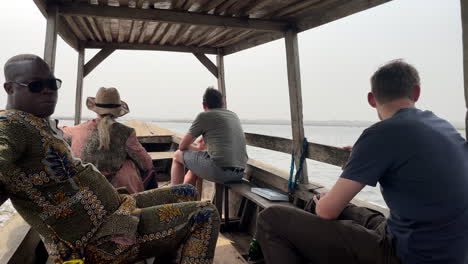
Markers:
(213, 98)
(394, 80)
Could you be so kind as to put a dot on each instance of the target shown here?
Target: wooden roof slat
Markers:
(114, 28)
(255, 6)
(142, 36)
(212, 39)
(180, 35)
(198, 36)
(149, 32)
(94, 28)
(74, 27)
(211, 5)
(198, 5)
(188, 4)
(171, 16)
(229, 36)
(319, 7)
(208, 36)
(235, 9)
(294, 7)
(136, 30)
(163, 4)
(170, 34)
(235, 39)
(104, 25)
(125, 28)
(185, 35)
(159, 32)
(178, 4)
(133, 46)
(85, 29)
(224, 6)
(253, 41)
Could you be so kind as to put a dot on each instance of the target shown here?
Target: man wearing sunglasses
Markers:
(78, 214)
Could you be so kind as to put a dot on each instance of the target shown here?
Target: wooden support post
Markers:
(221, 79)
(96, 60)
(79, 85)
(295, 99)
(226, 207)
(50, 47)
(199, 187)
(464, 17)
(218, 199)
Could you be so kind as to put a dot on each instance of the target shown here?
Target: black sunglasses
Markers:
(39, 85)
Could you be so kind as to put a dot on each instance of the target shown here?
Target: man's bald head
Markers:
(18, 64)
(19, 72)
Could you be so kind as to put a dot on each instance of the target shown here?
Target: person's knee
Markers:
(270, 216)
(178, 157)
(188, 190)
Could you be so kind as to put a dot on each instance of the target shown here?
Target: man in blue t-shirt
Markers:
(421, 164)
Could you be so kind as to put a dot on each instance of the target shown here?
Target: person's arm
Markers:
(331, 205)
(196, 130)
(138, 153)
(12, 148)
(186, 142)
(370, 158)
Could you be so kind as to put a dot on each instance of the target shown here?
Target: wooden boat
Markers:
(220, 27)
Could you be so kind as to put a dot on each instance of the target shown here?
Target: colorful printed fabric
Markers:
(79, 214)
(121, 162)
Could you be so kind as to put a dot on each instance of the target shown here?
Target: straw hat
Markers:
(107, 101)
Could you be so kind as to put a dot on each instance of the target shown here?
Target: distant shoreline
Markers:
(330, 123)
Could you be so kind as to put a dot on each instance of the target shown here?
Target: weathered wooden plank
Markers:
(63, 30)
(95, 28)
(79, 86)
(210, 5)
(104, 26)
(337, 11)
(130, 46)
(221, 77)
(50, 48)
(255, 40)
(85, 29)
(171, 33)
(294, 7)
(295, 99)
(155, 139)
(171, 16)
(208, 36)
(319, 152)
(76, 30)
(234, 39)
(161, 155)
(464, 18)
(214, 36)
(178, 4)
(161, 31)
(181, 35)
(207, 63)
(256, 5)
(199, 35)
(96, 60)
(224, 6)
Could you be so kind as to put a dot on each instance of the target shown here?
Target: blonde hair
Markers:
(104, 125)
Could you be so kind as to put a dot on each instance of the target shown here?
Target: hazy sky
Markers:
(337, 60)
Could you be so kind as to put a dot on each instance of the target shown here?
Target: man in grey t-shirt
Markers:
(222, 133)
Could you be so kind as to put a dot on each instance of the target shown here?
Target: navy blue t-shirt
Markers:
(421, 163)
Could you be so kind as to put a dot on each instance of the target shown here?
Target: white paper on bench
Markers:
(270, 194)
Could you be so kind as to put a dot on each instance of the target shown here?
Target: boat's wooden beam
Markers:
(207, 63)
(96, 60)
(318, 152)
(252, 42)
(221, 77)
(295, 99)
(63, 29)
(337, 10)
(79, 85)
(464, 18)
(50, 47)
(134, 46)
(172, 16)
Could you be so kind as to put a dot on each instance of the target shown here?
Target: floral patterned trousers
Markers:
(172, 225)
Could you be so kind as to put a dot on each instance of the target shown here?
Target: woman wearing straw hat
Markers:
(111, 146)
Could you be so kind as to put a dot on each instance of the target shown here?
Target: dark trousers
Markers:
(289, 235)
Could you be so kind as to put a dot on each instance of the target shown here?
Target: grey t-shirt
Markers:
(421, 163)
(223, 136)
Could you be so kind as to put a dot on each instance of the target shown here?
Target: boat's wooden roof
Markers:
(203, 26)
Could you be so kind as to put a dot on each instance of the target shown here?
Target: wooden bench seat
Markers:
(244, 189)
(165, 155)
